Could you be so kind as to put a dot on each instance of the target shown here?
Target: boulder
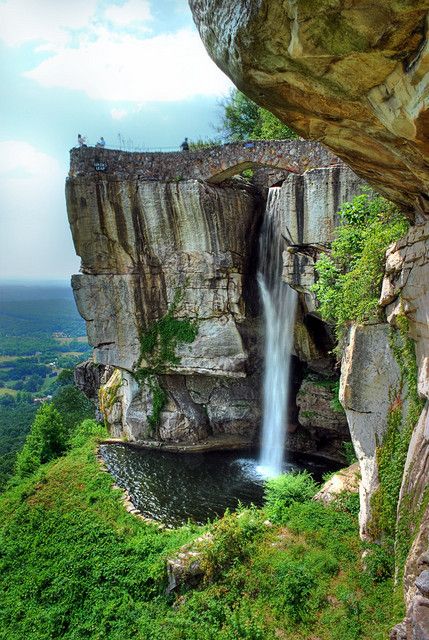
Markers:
(346, 480)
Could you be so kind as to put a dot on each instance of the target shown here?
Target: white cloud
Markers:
(118, 114)
(35, 240)
(131, 13)
(17, 154)
(48, 21)
(123, 67)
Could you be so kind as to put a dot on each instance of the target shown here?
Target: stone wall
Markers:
(214, 164)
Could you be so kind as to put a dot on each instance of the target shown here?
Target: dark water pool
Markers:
(176, 487)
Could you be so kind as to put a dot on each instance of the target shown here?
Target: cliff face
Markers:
(355, 76)
(351, 75)
(148, 246)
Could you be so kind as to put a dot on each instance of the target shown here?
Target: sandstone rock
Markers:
(353, 76)
(420, 618)
(143, 242)
(344, 480)
(406, 290)
(110, 401)
(314, 400)
(185, 567)
(413, 487)
(422, 583)
(89, 376)
(235, 408)
(182, 419)
(370, 378)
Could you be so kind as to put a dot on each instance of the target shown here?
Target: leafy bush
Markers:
(86, 430)
(46, 440)
(73, 406)
(380, 562)
(349, 452)
(231, 537)
(297, 582)
(349, 280)
(282, 491)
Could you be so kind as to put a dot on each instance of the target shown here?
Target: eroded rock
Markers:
(346, 480)
(351, 75)
(370, 380)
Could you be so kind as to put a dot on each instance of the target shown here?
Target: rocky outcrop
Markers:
(149, 245)
(344, 481)
(146, 246)
(89, 377)
(370, 380)
(351, 75)
(406, 290)
(315, 400)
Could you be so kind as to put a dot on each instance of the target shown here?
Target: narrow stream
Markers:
(176, 487)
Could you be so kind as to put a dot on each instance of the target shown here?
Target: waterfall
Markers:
(279, 304)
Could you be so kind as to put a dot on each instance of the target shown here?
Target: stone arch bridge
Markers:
(213, 164)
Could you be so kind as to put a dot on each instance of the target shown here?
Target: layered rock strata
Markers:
(351, 75)
(145, 244)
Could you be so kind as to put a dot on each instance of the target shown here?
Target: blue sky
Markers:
(134, 68)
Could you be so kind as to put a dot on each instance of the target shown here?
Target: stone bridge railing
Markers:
(213, 164)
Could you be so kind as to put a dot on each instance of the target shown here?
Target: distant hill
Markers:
(35, 309)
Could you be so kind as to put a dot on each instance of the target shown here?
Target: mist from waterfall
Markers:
(279, 302)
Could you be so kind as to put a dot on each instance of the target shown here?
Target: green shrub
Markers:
(158, 350)
(347, 501)
(380, 562)
(349, 280)
(73, 405)
(349, 452)
(46, 441)
(231, 540)
(282, 491)
(86, 430)
(296, 582)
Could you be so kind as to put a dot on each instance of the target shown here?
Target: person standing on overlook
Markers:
(185, 146)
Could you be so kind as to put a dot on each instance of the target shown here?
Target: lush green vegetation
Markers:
(16, 416)
(243, 119)
(74, 564)
(39, 338)
(350, 277)
(158, 350)
(396, 534)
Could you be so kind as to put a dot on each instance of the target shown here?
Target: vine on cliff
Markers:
(349, 279)
(386, 524)
(158, 350)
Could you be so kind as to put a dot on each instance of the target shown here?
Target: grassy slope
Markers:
(74, 564)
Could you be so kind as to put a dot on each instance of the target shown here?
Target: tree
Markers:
(65, 377)
(46, 441)
(73, 406)
(243, 119)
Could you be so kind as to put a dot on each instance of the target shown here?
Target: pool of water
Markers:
(176, 487)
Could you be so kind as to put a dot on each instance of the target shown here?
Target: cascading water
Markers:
(279, 304)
